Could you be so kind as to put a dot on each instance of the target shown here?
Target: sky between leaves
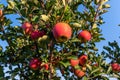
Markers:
(110, 30)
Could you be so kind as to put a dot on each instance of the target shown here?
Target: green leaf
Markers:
(1, 72)
(65, 64)
(109, 69)
(89, 67)
(95, 70)
(1, 6)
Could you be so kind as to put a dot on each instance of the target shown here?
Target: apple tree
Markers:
(54, 37)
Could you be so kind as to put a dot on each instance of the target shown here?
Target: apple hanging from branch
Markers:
(62, 32)
(27, 27)
(84, 36)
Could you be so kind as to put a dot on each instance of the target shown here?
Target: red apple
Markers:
(118, 69)
(42, 33)
(27, 27)
(1, 12)
(74, 62)
(84, 35)
(34, 64)
(115, 66)
(83, 60)
(46, 66)
(35, 34)
(79, 73)
(62, 32)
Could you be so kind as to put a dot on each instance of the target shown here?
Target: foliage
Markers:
(43, 15)
(112, 52)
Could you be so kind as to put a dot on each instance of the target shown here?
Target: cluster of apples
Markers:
(63, 32)
(28, 30)
(115, 67)
(36, 64)
(81, 61)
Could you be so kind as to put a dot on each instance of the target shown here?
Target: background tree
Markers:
(53, 36)
(111, 52)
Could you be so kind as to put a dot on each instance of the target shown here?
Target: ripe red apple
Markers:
(79, 73)
(118, 69)
(1, 12)
(42, 33)
(74, 62)
(27, 27)
(84, 35)
(46, 66)
(34, 64)
(36, 34)
(83, 60)
(62, 32)
(115, 66)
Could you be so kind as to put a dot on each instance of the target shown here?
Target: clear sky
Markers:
(110, 30)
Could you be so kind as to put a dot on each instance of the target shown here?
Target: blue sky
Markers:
(110, 30)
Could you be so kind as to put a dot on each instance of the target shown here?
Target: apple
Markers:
(62, 32)
(84, 35)
(1, 12)
(115, 66)
(83, 60)
(79, 73)
(34, 64)
(46, 66)
(27, 27)
(118, 69)
(35, 34)
(42, 33)
(74, 62)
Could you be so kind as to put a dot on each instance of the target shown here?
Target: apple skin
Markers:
(79, 73)
(27, 27)
(34, 64)
(46, 66)
(1, 12)
(62, 32)
(35, 34)
(83, 60)
(115, 66)
(84, 35)
(74, 62)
